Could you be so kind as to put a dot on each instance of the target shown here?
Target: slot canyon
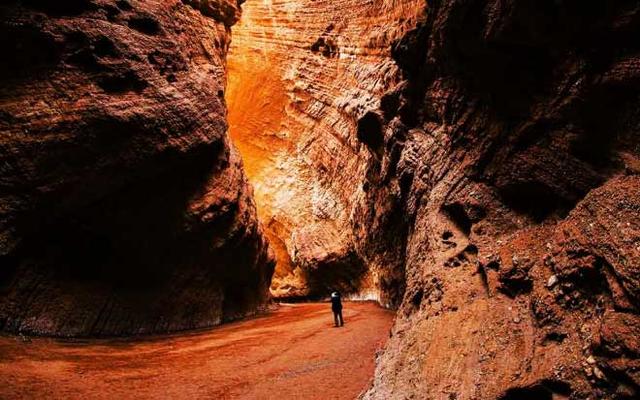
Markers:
(167, 166)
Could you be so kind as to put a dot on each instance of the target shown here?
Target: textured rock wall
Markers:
(509, 157)
(123, 208)
(301, 73)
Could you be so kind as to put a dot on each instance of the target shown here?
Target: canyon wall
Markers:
(509, 157)
(123, 207)
(485, 185)
(473, 164)
(301, 74)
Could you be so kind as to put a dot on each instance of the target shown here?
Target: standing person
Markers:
(336, 307)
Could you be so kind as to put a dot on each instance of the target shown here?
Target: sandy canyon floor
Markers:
(291, 353)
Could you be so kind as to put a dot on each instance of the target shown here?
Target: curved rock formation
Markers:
(474, 164)
(511, 155)
(301, 73)
(492, 194)
(123, 208)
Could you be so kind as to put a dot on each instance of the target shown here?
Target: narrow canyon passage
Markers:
(473, 165)
(292, 353)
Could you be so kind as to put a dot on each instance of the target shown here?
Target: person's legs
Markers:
(341, 320)
(335, 317)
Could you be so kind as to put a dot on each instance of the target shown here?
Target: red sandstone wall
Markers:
(123, 208)
(301, 73)
(510, 161)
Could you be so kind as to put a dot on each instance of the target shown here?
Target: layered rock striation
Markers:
(301, 74)
(509, 157)
(123, 207)
(472, 163)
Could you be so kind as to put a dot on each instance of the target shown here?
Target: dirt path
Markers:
(292, 353)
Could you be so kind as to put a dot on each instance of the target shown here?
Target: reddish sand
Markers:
(291, 353)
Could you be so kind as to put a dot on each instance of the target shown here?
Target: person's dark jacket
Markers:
(336, 303)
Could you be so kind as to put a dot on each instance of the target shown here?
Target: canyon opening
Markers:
(188, 187)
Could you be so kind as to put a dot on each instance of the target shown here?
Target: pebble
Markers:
(553, 279)
(598, 373)
(591, 360)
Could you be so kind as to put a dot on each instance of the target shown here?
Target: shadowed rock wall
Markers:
(509, 157)
(123, 208)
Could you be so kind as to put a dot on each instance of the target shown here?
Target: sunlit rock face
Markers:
(301, 74)
(123, 208)
(509, 157)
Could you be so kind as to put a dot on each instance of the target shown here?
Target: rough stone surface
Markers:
(487, 188)
(482, 178)
(510, 155)
(123, 208)
(301, 74)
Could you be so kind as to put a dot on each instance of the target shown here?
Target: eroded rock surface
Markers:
(509, 156)
(301, 74)
(484, 180)
(123, 208)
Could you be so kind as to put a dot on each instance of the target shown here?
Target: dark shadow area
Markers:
(60, 8)
(145, 24)
(343, 273)
(27, 51)
(604, 113)
(457, 214)
(126, 81)
(545, 390)
(533, 199)
(370, 133)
